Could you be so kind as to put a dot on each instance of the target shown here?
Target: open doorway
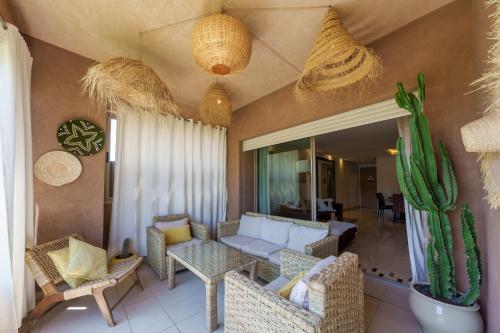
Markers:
(365, 187)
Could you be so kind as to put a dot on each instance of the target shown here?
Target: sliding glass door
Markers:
(284, 179)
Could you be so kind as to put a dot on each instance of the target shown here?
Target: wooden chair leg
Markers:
(44, 305)
(136, 279)
(102, 302)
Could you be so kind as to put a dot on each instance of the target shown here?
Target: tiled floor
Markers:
(381, 244)
(158, 309)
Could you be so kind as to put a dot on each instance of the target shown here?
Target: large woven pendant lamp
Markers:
(221, 44)
(216, 107)
(337, 61)
(123, 81)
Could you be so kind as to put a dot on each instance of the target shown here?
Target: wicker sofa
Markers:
(336, 301)
(156, 248)
(268, 270)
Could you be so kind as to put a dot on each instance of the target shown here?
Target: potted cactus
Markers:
(438, 305)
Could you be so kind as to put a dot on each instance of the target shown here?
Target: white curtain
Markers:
(416, 221)
(17, 289)
(165, 165)
(283, 178)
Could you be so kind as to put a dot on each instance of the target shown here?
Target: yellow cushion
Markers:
(60, 260)
(177, 235)
(287, 288)
(86, 261)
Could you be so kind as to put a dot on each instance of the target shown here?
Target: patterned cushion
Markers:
(236, 241)
(260, 248)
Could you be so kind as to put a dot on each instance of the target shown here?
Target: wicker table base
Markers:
(210, 261)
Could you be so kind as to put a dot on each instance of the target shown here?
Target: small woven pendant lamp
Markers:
(216, 107)
(123, 81)
(221, 44)
(337, 61)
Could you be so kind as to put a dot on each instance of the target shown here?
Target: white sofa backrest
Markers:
(275, 232)
(250, 226)
(300, 236)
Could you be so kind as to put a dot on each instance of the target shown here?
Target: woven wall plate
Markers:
(80, 137)
(57, 168)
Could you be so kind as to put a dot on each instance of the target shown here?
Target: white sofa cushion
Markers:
(171, 224)
(301, 236)
(250, 226)
(274, 258)
(338, 227)
(300, 292)
(261, 248)
(276, 284)
(193, 241)
(236, 241)
(275, 232)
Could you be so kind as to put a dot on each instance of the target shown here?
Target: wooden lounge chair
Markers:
(47, 277)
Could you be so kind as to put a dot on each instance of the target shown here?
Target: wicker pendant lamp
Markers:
(337, 61)
(122, 81)
(221, 44)
(216, 107)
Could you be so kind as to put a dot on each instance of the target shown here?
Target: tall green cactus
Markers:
(425, 190)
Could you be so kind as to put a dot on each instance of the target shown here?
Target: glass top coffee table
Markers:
(209, 260)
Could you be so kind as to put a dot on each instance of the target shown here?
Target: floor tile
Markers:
(397, 295)
(147, 316)
(371, 305)
(186, 308)
(197, 324)
(172, 329)
(374, 287)
(392, 318)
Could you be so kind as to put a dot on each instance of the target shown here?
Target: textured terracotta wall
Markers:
(7, 13)
(442, 46)
(56, 97)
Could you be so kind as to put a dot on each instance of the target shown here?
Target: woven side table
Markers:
(210, 260)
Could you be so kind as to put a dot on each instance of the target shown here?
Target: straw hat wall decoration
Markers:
(221, 44)
(481, 136)
(127, 82)
(337, 62)
(216, 107)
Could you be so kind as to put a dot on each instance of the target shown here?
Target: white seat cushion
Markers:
(301, 236)
(275, 232)
(184, 244)
(274, 258)
(300, 292)
(276, 284)
(260, 248)
(250, 226)
(338, 228)
(236, 241)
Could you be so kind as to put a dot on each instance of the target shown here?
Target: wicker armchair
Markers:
(156, 255)
(47, 277)
(269, 271)
(335, 300)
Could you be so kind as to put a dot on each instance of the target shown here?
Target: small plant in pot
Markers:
(438, 305)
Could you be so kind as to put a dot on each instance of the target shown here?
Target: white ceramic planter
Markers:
(438, 317)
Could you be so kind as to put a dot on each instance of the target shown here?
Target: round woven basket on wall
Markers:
(123, 81)
(337, 61)
(221, 44)
(481, 135)
(216, 107)
(57, 168)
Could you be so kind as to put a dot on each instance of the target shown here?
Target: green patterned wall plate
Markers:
(80, 137)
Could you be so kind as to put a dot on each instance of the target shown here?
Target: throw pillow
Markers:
(275, 232)
(60, 260)
(301, 236)
(86, 261)
(300, 292)
(171, 224)
(250, 226)
(287, 288)
(177, 235)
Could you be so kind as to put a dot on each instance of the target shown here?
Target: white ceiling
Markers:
(158, 32)
(360, 144)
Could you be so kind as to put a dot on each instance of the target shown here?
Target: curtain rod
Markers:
(4, 24)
